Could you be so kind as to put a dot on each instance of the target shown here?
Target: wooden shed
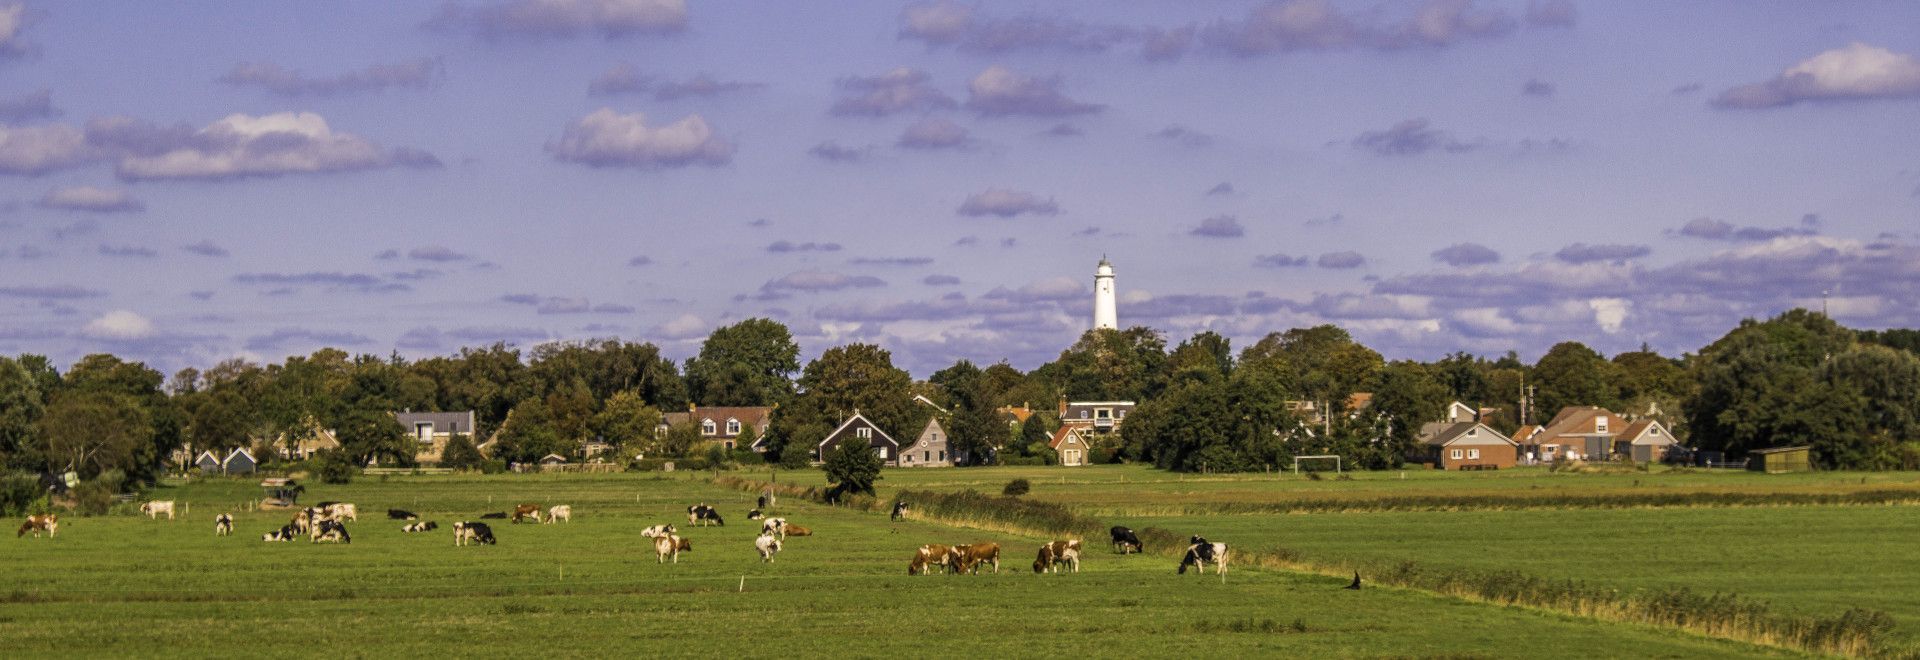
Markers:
(240, 461)
(208, 463)
(1780, 459)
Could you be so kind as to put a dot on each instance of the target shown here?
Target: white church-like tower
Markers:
(1103, 310)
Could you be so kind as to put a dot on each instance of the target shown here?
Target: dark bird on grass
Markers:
(1356, 582)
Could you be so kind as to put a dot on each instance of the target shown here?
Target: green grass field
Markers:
(127, 586)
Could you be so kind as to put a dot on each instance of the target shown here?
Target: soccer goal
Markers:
(1335, 459)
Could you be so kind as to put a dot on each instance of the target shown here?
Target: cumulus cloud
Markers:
(1580, 253)
(1317, 25)
(684, 326)
(36, 150)
(627, 79)
(13, 19)
(608, 19)
(1466, 254)
(1411, 137)
(1341, 260)
(283, 337)
(240, 146)
(1281, 261)
(206, 249)
(119, 325)
(126, 251)
(934, 133)
(782, 247)
(1219, 226)
(417, 74)
(1184, 136)
(948, 23)
(1051, 289)
(1721, 230)
(28, 107)
(610, 139)
(90, 199)
(832, 152)
(1852, 73)
(999, 92)
(1552, 13)
(436, 253)
(1610, 313)
(900, 90)
(1537, 87)
(1006, 204)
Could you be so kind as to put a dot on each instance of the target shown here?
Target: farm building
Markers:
(1466, 446)
(860, 429)
(1070, 445)
(1780, 459)
(240, 461)
(1645, 441)
(207, 462)
(928, 450)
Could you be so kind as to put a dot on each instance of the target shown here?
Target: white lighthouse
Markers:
(1103, 311)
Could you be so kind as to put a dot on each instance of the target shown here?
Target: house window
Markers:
(923, 443)
(943, 454)
(729, 445)
(1103, 413)
(423, 431)
(926, 456)
(706, 427)
(882, 451)
(863, 432)
(733, 427)
(1600, 424)
(1122, 414)
(1656, 430)
(1456, 454)
(1473, 454)
(1084, 414)
(1473, 431)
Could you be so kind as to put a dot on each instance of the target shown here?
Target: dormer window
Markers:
(733, 427)
(706, 427)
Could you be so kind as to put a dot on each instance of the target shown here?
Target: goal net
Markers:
(1321, 459)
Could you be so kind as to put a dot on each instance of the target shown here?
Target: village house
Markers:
(930, 449)
(723, 424)
(1467, 445)
(1071, 446)
(1014, 417)
(430, 431)
(858, 428)
(1094, 416)
(1644, 441)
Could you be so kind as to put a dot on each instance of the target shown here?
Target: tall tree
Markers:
(1570, 374)
(1107, 364)
(845, 379)
(629, 424)
(95, 430)
(1751, 383)
(750, 363)
(853, 467)
(21, 404)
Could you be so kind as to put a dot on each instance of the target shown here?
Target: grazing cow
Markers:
(1125, 541)
(767, 545)
(760, 503)
(657, 531)
(223, 525)
(497, 515)
(1201, 553)
(1058, 556)
(331, 531)
(701, 514)
(523, 511)
(46, 522)
(427, 526)
(899, 510)
(968, 558)
(285, 533)
(928, 556)
(472, 532)
(154, 509)
(401, 514)
(686, 544)
(791, 529)
(754, 515)
(774, 526)
(560, 512)
(343, 511)
(666, 546)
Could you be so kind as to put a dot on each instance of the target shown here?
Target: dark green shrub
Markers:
(20, 494)
(334, 467)
(1017, 488)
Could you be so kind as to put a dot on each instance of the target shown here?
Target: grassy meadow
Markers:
(124, 585)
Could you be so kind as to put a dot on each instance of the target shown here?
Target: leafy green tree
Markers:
(1750, 385)
(21, 405)
(1409, 395)
(374, 435)
(219, 421)
(1570, 374)
(974, 429)
(96, 431)
(1321, 364)
(845, 379)
(853, 466)
(1107, 364)
(1869, 404)
(1036, 432)
(140, 385)
(1205, 356)
(527, 435)
(461, 454)
(628, 423)
(750, 363)
(682, 439)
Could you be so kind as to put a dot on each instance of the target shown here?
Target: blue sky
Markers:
(183, 184)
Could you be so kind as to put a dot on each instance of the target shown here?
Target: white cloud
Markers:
(119, 324)
(684, 326)
(13, 17)
(1006, 204)
(34, 150)
(90, 198)
(610, 139)
(999, 91)
(1609, 313)
(243, 145)
(1855, 72)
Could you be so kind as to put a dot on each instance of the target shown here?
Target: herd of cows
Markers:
(326, 523)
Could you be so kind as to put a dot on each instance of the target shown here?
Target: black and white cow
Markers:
(1125, 541)
(472, 532)
(427, 526)
(223, 525)
(1201, 553)
(331, 531)
(899, 510)
(755, 515)
(285, 533)
(701, 514)
(774, 527)
(657, 531)
(401, 514)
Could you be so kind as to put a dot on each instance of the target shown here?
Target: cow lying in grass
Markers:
(427, 526)
(968, 558)
(767, 545)
(524, 511)
(755, 515)
(472, 532)
(1058, 556)
(330, 531)
(401, 514)
(285, 533)
(154, 509)
(223, 525)
(46, 522)
(496, 515)
(791, 529)
(560, 512)
(1202, 553)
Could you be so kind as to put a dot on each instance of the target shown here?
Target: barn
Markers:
(1780, 460)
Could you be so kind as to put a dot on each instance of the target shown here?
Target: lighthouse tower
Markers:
(1103, 311)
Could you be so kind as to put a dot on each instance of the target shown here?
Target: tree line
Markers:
(1798, 378)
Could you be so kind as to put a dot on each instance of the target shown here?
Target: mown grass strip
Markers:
(1520, 502)
(1858, 632)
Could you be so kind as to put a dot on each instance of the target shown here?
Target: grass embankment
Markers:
(122, 586)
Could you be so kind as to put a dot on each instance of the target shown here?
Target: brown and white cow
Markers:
(968, 558)
(929, 556)
(665, 546)
(560, 512)
(47, 522)
(524, 511)
(342, 511)
(223, 525)
(153, 509)
(1058, 556)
